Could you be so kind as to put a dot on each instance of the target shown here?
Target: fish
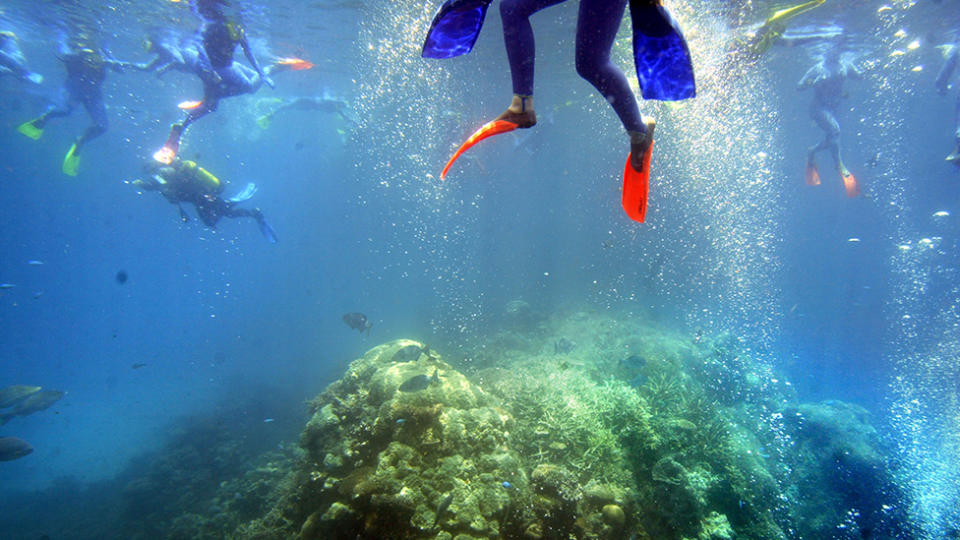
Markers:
(408, 353)
(138, 365)
(35, 262)
(12, 448)
(6, 286)
(358, 321)
(121, 277)
(442, 508)
(420, 382)
(36, 402)
(634, 361)
(12, 395)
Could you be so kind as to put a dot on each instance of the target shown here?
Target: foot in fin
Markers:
(71, 162)
(636, 176)
(810, 173)
(168, 152)
(267, 230)
(30, 129)
(488, 130)
(455, 28)
(35, 78)
(954, 156)
(660, 53)
(850, 184)
(293, 63)
(244, 195)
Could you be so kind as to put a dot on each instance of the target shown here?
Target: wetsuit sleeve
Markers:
(943, 78)
(249, 54)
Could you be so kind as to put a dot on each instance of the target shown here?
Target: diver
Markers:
(12, 59)
(174, 53)
(219, 36)
(86, 66)
(305, 103)
(943, 84)
(661, 56)
(826, 77)
(183, 181)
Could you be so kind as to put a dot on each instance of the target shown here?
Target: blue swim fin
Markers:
(267, 231)
(244, 195)
(660, 53)
(455, 28)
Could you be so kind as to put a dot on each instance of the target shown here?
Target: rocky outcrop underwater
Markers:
(604, 435)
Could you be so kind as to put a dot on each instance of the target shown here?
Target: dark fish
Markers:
(121, 277)
(634, 361)
(357, 321)
(12, 448)
(408, 354)
(420, 382)
(638, 381)
(138, 365)
(563, 346)
(35, 402)
(442, 508)
(12, 395)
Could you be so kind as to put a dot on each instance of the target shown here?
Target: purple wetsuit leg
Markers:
(518, 37)
(597, 27)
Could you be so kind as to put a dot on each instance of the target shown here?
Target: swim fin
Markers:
(267, 231)
(244, 195)
(168, 152)
(660, 53)
(294, 63)
(850, 185)
(455, 28)
(71, 162)
(786, 14)
(30, 129)
(264, 121)
(488, 130)
(636, 187)
(810, 174)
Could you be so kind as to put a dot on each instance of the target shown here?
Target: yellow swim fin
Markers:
(786, 14)
(264, 121)
(30, 130)
(71, 162)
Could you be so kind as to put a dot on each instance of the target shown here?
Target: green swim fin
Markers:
(30, 130)
(264, 121)
(71, 162)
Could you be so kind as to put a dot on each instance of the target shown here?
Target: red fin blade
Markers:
(488, 130)
(811, 175)
(850, 185)
(636, 188)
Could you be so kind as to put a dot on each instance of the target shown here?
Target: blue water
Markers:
(818, 284)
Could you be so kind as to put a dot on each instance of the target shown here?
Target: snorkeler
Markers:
(174, 53)
(219, 36)
(660, 54)
(943, 84)
(826, 78)
(86, 67)
(186, 182)
(12, 59)
(307, 103)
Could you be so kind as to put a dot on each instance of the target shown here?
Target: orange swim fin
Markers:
(189, 105)
(294, 63)
(850, 185)
(811, 175)
(488, 130)
(636, 187)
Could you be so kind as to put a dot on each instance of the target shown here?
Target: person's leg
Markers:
(954, 156)
(93, 102)
(597, 27)
(63, 107)
(521, 52)
(827, 121)
(237, 80)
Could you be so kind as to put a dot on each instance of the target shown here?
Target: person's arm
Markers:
(248, 52)
(943, 78)
(809, 78)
